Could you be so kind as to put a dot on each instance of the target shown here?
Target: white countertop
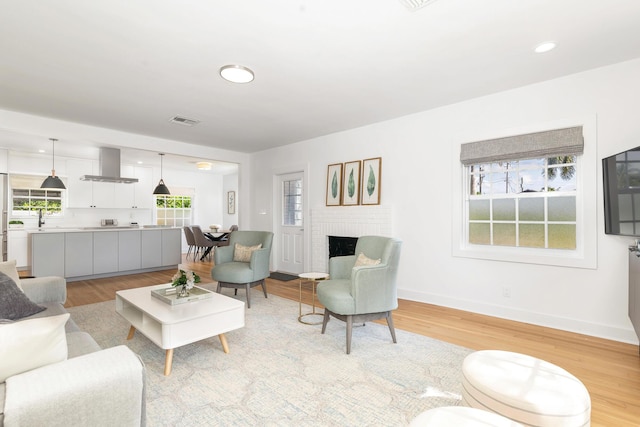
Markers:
(94, 229)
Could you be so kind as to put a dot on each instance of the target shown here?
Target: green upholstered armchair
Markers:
(364, 292)
(231, 271)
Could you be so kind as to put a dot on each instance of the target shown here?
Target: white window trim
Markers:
(585, 255)
(24, 181)
(191, 209)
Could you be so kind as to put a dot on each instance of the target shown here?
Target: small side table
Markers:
(314, 278)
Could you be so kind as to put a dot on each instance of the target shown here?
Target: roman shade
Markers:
(568, 141)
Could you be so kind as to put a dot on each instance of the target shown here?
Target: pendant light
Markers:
(53, 181)
(161, 188)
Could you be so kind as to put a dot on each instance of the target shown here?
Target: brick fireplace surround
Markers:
(349, 221)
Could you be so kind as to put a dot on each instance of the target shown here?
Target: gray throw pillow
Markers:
(14, 304)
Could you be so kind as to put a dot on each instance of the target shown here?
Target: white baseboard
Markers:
(540, 319)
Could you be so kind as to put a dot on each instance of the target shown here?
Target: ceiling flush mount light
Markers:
(161, 188)
(544, 47)
(236, 74)
(53, 181)
(204, 166)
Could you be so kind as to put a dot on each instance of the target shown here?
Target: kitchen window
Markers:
(27, 198)
(174, 210)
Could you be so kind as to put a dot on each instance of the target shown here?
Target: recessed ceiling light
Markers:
(544, 47)
(41, 151)
(236, 74)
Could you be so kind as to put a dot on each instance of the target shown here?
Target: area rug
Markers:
(283, 277)
(280, 372)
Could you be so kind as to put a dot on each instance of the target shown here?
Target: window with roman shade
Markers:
(521, 191)
(558, 142)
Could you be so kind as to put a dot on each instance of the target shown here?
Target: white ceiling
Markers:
(321, 66)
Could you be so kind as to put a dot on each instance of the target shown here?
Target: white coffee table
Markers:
(171, 326)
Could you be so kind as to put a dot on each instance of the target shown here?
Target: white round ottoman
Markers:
(459, 416)
(525, 389)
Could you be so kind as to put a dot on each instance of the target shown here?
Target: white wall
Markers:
(229, 183)
(417, 164)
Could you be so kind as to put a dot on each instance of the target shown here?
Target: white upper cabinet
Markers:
(138, 195)
(89, 194)
(125, 196)
(143, 188)
(79, 193)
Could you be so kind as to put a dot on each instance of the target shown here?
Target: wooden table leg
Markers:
(132, 331)
(168, 361)
(223, 341)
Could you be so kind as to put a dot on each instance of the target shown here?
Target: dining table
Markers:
(217, 237)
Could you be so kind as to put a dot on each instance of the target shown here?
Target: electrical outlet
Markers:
(506, 292)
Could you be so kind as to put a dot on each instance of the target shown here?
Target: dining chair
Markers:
(191, 240)
(225, 240)
(202, 242)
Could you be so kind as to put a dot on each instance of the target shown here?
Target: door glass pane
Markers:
(292, 202)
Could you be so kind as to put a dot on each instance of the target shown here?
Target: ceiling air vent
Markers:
(184, 121)
(416, 4)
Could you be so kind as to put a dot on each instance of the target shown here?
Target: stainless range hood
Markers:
(109, 168)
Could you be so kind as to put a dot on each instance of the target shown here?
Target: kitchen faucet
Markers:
(40, 220)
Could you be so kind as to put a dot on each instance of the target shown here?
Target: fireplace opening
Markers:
(342, 245)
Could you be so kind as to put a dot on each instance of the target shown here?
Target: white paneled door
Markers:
(291, 232)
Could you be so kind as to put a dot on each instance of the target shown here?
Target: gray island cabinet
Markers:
(80, 254)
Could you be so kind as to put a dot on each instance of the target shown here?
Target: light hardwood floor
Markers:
(610, 370)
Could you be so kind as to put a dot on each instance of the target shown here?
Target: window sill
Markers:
(555, 257)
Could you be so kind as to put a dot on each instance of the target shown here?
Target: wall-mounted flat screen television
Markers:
(621, 174)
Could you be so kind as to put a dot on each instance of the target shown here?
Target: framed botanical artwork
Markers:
(351, 183)
(231, 202)
(334, 185)
(371, 172)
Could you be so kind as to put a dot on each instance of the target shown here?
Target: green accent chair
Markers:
(364, 293)
(237, 274)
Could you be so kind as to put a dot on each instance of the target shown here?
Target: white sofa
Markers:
(92, 387)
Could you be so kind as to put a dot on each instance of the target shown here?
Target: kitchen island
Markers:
(95, 252)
